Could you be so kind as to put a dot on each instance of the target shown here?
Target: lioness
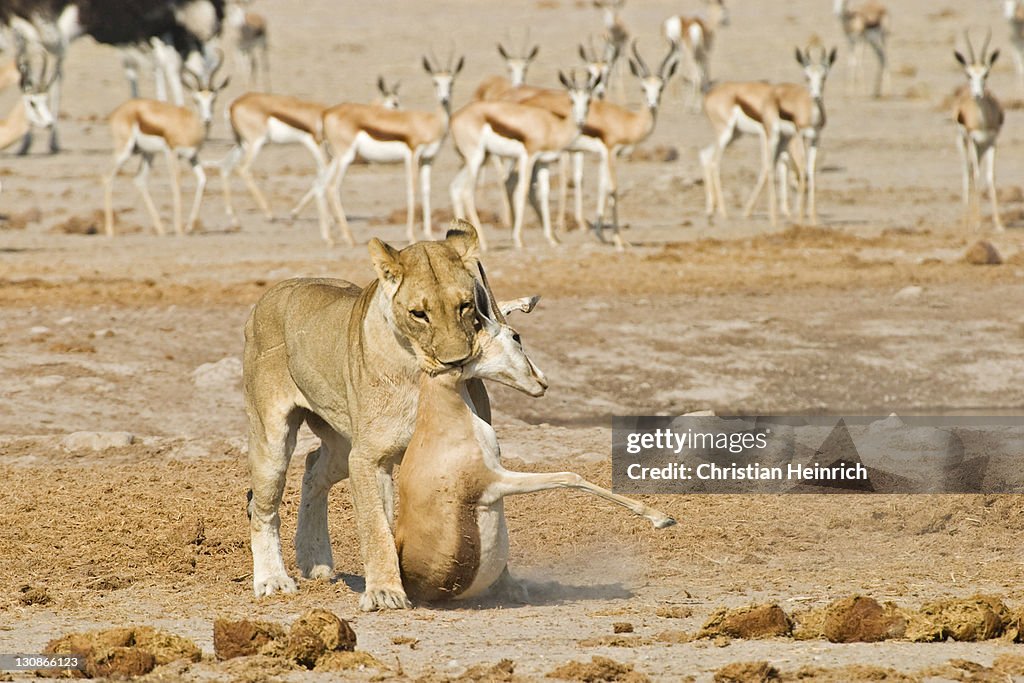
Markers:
(347, 361)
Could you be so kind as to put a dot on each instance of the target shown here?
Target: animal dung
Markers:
(756, 621)
(243, 638)
(983, 253)
(856, 619)
(313, 636)
(125, 652)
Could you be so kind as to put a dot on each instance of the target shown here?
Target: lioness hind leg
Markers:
(325, 467)
(270, 449)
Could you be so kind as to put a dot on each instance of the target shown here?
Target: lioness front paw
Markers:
(274, 584)
(374, 600)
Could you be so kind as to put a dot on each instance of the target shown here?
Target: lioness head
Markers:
(432, 292)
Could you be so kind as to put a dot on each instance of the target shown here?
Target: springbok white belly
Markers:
(149, 144)
(281, 133)
(500, 145)
(380, 151)
(490, 521)
(747, 125)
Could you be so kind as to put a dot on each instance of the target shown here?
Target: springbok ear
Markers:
(832, 58)
(224, 83)
(385, 262)
(501, 51)
(993, 58)
(380, 85)
(564, 80)
(960, 58)
(463, 239)
(583, 54)
(426, 66)
(524, 304)
(634, 68)
(800, 58)
(533, 53)
(458, 67)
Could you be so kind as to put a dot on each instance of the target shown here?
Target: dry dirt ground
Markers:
(107, 335)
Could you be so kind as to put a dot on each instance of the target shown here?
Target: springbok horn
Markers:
(640, 61)
(984, 48)
(970, 48)
(217, 65)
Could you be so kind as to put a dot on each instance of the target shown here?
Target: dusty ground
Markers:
(106, 335)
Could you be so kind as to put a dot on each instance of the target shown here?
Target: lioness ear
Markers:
(463, 239)
(524, 304)
(385, 262)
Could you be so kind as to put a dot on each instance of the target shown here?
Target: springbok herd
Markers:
(522, 128)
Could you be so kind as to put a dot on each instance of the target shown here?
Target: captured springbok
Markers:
(865, 24)
(381, 135)
(532, 136)
(450, 530)
(148, 127)
(979, 118)
(248, 31)
(609, 130)
(1013, 10)
(695, 37)
(776, 114)
(517, 64)
(260, 118)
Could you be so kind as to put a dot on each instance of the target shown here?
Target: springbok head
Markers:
(443, 77)
(653, 84)
(204, 91)
(816, 69)
(518, 63)
(580, 92)
(977, 67)
(388, 93)
(35, 87)
(599, 63)
(502, 357)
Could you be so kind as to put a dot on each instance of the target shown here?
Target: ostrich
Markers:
(186, 26)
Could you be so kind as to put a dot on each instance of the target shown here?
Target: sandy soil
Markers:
(102, 335)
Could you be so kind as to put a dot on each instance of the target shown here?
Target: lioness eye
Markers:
(421, 315)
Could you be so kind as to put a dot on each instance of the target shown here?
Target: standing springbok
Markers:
(248, 31)
(148, 127)
(1013, 10)
(381, 135)
(979, 118)
(865, 23)
(609, 130)
(450, 530)
(260, 118)
(695, 37)
(532, 136)
(776, 114)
